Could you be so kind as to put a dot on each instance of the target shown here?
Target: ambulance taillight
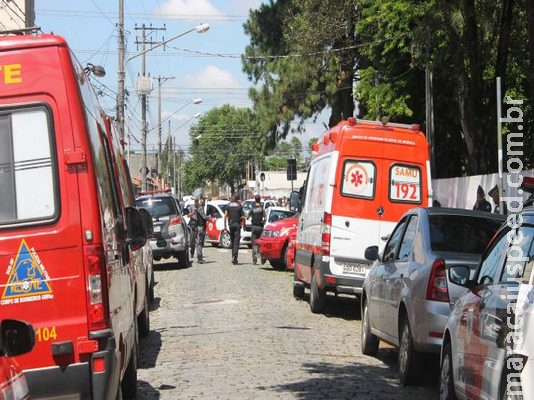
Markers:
(325, 234)
(98, 317)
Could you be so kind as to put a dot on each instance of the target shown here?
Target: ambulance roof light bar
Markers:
(384, 122)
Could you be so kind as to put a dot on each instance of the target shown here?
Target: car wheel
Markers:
(143, 320)
(226, 241)
(277, 264)
(151, 290)
(249, 245)
(446, 377)
(129, 380)
(298, 287)
(409, 359)
(369, 342)
(317, 296)
(157, 258)
(183, 259)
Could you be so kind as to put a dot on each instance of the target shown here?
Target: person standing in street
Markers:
(257, 217)
(197, 225)
(482, 204)
(233, 218)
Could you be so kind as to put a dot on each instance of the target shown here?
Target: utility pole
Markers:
(120, 73)
(144, 92)
(169, 151)
(429, 106)
(164, 79)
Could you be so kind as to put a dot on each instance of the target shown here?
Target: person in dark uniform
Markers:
(257, 217)
(233, 218)
(482, 204)
(197, 224)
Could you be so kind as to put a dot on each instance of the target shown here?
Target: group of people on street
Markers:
(234, 218)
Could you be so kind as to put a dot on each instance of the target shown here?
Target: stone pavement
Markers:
(221, 331)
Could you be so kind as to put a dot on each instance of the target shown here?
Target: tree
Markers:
(222, 142)
(311, 68)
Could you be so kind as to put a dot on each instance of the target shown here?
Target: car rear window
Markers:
(28, 178)
(460, 233)
(158, 206)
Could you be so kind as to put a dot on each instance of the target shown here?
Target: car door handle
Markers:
(347, 223)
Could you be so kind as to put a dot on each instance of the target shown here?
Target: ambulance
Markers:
(68, 233)
(364, 175)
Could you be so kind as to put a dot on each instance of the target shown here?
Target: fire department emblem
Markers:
(28, 278)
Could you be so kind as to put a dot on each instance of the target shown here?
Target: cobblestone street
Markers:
(220, 331)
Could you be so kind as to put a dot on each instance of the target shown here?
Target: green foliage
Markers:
(283, 151)
(223, 141)
(384, 47)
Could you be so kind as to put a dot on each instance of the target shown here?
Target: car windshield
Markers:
(222, 207)
(158, 206)
(280, 214)
(460, 233)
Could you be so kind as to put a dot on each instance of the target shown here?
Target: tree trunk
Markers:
(530, 16)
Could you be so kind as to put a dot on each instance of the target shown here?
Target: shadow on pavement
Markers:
(347, 308)
(149, 349)
(148, 392)
(354, 381)
(154, 304)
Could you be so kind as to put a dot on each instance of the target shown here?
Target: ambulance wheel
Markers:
(143, 320)
(317, 296)
(298, 287)
(226, 241)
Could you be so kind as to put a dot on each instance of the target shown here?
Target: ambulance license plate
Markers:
(349, 268)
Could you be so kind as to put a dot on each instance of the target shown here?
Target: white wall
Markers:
(462, 192)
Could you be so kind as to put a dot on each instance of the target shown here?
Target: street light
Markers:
(194, 101)
(201, 28)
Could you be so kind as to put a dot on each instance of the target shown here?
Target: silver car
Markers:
(170, 237)
(407, 296)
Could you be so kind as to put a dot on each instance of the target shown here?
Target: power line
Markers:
(167, 16)
(103, 13)
(14, 12)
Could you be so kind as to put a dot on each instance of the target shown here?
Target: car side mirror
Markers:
(16, 337)
(137, 230)
(148, 221)
(371, 253)
(459, 275)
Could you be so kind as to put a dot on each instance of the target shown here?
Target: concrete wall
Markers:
(276, 183)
